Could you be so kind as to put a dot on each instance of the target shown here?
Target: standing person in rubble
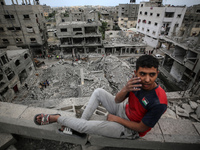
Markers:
(41, 86)
(147, 102)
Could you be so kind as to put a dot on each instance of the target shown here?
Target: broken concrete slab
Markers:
(193, 105)
(6, 140)
(182, 112)
(187, 108)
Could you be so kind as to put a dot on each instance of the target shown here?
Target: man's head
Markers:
(147, 70)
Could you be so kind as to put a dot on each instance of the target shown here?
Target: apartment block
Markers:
(23, 26)
(15, 67)
(155, 20)
(79, 32)
(182, 62)
(127, 14)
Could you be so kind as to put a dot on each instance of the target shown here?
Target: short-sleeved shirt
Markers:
(146, 106)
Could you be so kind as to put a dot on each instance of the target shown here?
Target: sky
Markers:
(55, 3)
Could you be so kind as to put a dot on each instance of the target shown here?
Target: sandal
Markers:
(45, 119)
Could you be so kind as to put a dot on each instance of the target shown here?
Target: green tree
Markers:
(103, 28)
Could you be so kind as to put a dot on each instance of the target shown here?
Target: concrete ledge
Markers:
(20, 121)
(167, 133)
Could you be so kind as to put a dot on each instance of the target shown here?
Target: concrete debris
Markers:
(182, 112)
(187, 108)
(198, 112)
(193, 105)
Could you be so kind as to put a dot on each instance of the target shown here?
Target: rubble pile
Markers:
(116, 71)
(189, 109)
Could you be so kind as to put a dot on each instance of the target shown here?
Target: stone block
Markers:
(6, 140)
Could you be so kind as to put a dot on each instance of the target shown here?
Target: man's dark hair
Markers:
(147, 61)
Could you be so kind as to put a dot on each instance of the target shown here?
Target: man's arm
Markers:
(130, 86)
(139, 127)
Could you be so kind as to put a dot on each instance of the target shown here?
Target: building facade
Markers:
(155, 20)
(23, 26)
(79, 32)
(127, 14)
(15, 67)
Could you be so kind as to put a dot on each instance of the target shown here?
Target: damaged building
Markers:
(15, 67)
(128, 14)
(182, 62)
(78, 32)
(23, 26)
(155, 20)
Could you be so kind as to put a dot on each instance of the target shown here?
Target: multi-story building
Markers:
(191, 21)
(127, 14)
(15, 67)
(181, 65)
(155, 20)
(23, 26)
(79, 32)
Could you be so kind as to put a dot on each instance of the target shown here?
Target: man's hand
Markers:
(136, 126)
(133, 84)
(112, 118)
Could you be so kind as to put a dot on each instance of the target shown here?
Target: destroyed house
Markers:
(15, 67)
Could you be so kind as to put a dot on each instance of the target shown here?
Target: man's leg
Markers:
(103, 128)
(106, 99)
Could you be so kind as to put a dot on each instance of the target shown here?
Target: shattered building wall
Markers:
(16, 66)
(182, 61)
(191, 22)
(81, 34)
(154, 20)
(23, 25)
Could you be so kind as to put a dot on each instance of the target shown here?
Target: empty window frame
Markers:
(158, 15)
(63, 30)
(18, 40)
(9, 16)
(5, 41)
(151, 14)
(179, 16)
(1, 29)
(145, 13)
(155, 23)
(26, 16)
(149, 22)
(33, 40)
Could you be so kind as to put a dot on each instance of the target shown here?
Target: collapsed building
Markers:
(15, 67)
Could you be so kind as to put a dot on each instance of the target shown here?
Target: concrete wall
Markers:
(177, 71)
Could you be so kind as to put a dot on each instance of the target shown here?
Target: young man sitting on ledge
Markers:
(147, 101)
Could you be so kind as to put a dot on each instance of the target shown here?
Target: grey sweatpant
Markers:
(104, 128)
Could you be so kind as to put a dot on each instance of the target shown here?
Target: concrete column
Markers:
(129, 50)
(121, 51)
(84, 50)
(82, 76)
(168, 46)
(17, 2)
(73, 53)
(112, 50)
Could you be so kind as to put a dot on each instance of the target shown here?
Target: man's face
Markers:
(148, 77)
